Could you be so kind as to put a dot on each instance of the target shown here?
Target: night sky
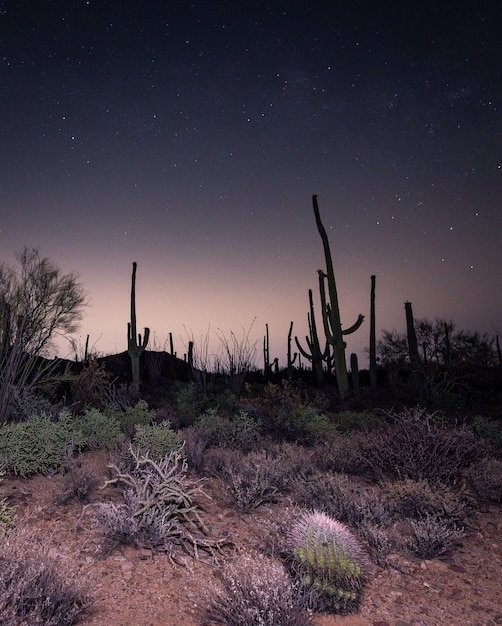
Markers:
(190, 137)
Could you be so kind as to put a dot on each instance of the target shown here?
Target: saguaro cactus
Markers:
(291, 356)
(373, 364)
(316, 355)
(135, 345)
(331, 311)
(412, 335)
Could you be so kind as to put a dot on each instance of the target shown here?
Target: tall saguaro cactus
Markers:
(331, 311)
(373, 363)
(135, 345)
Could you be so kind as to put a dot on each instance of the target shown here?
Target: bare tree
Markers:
(36, 303)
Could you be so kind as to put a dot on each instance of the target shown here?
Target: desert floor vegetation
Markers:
(274, 508)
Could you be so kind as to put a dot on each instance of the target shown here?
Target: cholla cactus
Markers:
(329, 561)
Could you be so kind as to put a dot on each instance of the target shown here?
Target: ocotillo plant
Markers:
(331, 311)
(135, 345)
(316, 356)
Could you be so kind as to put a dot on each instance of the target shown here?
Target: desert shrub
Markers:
(253, 590)
(286, 416)
(159, 509)
(485, 478)
(419, 445)
(239, 432)
(36, 589)
(27, 402)
(342, 454)
(6, 513)
(158, 440)
(101, 430)
(490, 432)
(420, 499)
(189, 403)
(328, 561)
(348, 421)
(39, 445)
(379, 540)
(194, 444)
(337, 496)
(90, 387)
(78, 484)
(216, 461)
(131, 416)
(431, 537)
(255, 478)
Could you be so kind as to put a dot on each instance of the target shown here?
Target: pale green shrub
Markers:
(157, 440)
(101, 431)
(40, 445)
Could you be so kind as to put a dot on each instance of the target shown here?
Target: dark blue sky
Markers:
(190, 137)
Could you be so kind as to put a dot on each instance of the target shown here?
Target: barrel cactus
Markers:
(328, 561)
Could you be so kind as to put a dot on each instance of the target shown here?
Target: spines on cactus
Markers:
(329, 561)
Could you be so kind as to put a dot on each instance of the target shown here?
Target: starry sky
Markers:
(190, 137)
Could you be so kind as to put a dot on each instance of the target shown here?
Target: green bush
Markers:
(157, 439)
(287, 416)
(188, 402)
(132, 416)
(40, 445)
(240, 432)
(101, 431)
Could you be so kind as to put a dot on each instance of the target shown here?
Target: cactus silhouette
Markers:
(291, 356)
(135, 346)
(329, 561)
(331, 311)
(316, 355)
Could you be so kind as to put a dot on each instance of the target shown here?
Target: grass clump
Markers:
(253, 591)
(431, 537)
(36, 589)
(255, 478)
